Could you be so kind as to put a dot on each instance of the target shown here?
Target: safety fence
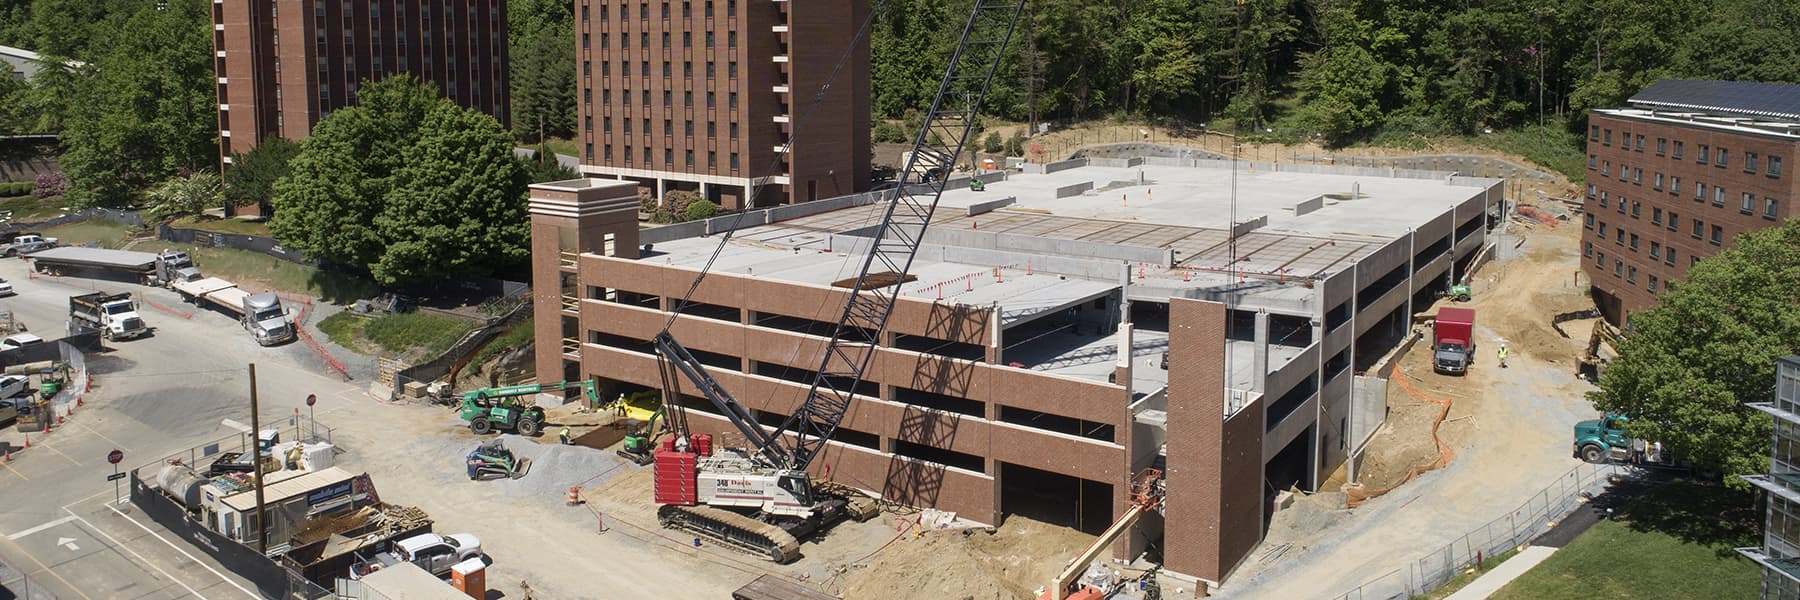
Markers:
(1531, 519)
(238, 241)
(314, 345)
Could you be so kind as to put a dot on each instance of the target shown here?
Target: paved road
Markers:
(151, 397)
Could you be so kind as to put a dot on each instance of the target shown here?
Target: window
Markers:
(712, 129)
(667, 70)
(731, 9)
(734, 161)
(1655, 250)
(690, 159)
(734, 131)
(1637, 176)
(1656, 216)
(1719, 196)
(628, 152)
(1634, 242)
(1705, 154)
(624, 41)
(1768, 208)
(709, 39)
(1594, 133)
(627, 126)
(1592, 191)
(668, 127)
(1602, 199)
(665, 11)
(731, 69)
(688, 128)
(731, 39)
(666, 36)
(646, 155)
(584, 11)
(1653, 283)
(1699, 228)
(1587, 249)
(1774, 166)
(1588, 221)
(1699, 191)
(1640, 142)
(687, 99)
(1662, 146)
(1593, 162)
(1669, 258)
(590, 151)
(1622, 205)
(712, 100)
(1603, 232)
(1631, 275)
(1718, 235)
(731, 100)
(1674, 221)
(1619, 237)
(687, 39)
(668, 98)
(1749, 203)
(1600, 259)
(1618, 267)
(669, 157)
(1659, 182)
(1749, 162)
(1674, 184)
(584, 41)
(1606, 167)
(606, 124)
(1719, 161)
(1635, 208)
(712, 160)
(1679, 146)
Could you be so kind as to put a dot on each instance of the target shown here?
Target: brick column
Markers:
(577, 216)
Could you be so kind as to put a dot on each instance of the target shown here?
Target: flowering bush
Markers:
(50, 184)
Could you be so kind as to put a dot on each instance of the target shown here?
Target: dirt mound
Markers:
(1011, 563)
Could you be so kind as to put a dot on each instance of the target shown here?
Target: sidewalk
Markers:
(1492, 581)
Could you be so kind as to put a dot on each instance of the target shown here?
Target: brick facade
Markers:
(1656, 184)
(270, 88)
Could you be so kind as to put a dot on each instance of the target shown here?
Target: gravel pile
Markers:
(555, 468)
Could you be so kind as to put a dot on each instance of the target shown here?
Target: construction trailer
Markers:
(404, 581)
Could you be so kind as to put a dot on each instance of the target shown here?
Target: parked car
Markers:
(19, 340)
(6, 288)
(14, 385)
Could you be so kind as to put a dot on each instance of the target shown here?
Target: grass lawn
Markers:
(414, 334)
(520, 335)
(238, 226)
(29, 208)
(1552, 146)
(107, 233)
(1674, 542)
(558, 146)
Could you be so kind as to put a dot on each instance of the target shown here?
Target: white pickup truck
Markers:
(430, 551)
(26, 244)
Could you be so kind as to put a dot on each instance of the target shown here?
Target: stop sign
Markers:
(115, 456)
(312, 399)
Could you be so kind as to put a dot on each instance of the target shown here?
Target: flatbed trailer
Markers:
(143, 267)
(261, 314)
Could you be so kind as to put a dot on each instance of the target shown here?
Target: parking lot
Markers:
(175, 389)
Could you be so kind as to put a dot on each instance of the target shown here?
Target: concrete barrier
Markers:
(1046, 247)
(991, 205)
(1308, 205)
(1047, 168)
(1075, 189)
(1247, 226)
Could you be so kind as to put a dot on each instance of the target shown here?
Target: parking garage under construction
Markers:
(1059, 331)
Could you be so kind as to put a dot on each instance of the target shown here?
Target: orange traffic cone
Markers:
(28, 441)
(9, 454)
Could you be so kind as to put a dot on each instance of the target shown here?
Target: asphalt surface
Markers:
(60, 531)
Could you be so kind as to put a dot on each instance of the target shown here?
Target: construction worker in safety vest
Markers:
(564, 436)
(1503, 356)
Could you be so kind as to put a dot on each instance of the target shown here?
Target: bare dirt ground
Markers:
(1506, 428)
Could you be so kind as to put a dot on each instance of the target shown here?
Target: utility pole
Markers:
(262, 524)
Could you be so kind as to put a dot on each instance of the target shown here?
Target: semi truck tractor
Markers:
(115, 315)
(1453, 340)
(152, 269)
(261, 314)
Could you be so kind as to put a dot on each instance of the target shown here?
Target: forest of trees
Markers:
(1346, 70)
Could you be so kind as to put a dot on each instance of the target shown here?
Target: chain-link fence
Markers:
(1536, 516)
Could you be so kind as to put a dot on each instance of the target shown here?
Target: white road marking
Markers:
(67, 543)
(172, 546)
(15, 537)
(235, 425)
(146, 562)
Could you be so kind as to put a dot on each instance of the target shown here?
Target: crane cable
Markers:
(756, 189)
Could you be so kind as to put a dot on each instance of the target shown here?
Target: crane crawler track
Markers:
(732, 529)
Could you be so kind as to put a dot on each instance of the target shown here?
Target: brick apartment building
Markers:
(705, 96)
(1676, 175)
(271, 88)
(1000, 387)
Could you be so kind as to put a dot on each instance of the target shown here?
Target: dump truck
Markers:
(115, 315)
(152, 269)
(1453, 340)
(261, 314)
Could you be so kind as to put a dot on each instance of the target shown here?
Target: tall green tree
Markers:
(1690, 364)
(145, 109)
(406, 185)
(184, 195)
(252, 176)
(543, 84)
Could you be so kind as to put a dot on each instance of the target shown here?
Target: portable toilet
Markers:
(470, 577)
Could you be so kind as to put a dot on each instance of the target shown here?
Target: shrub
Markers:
(1015, 145)
(700, 209)
(890, 132)
(50, 184)
(677, 201)
(11, 189)
(992, 145)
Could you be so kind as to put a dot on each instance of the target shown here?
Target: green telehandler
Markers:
(508, 409)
